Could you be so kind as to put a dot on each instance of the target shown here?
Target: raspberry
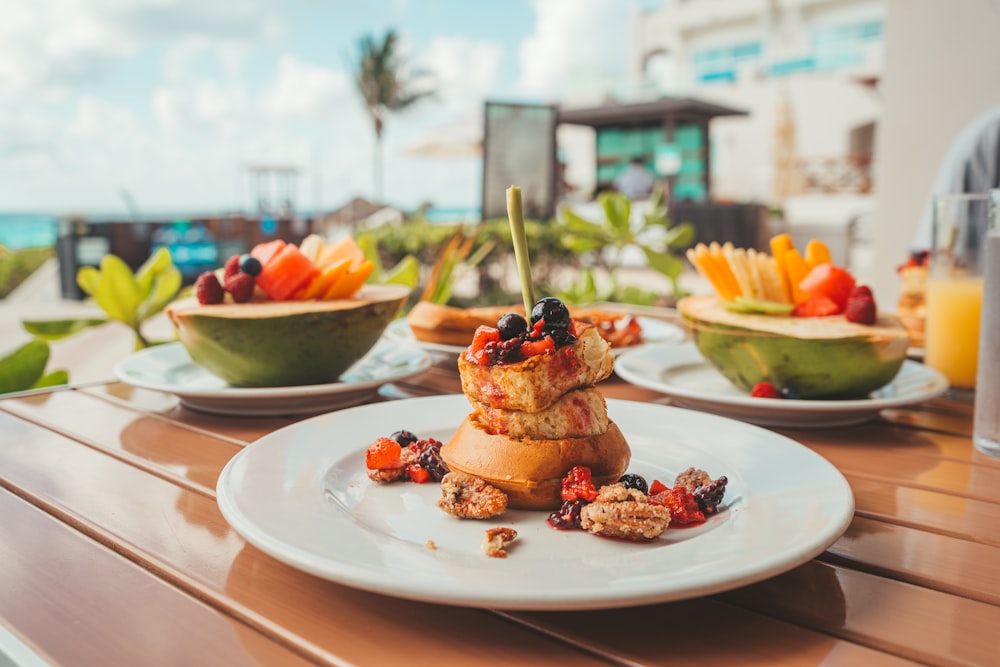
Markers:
(577, 485)
(383, 454)
(231, 267)
(208, 290)
(861, 309)
(764, 390)
(240, 286)
(861, 291)
(710, 495)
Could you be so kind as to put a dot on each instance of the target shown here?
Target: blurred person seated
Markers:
(972, 164)
(636, 181)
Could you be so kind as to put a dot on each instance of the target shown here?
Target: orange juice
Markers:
(952, 334)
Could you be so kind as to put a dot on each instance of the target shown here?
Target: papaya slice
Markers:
(817, 253)
(322, 283)
(351, 282)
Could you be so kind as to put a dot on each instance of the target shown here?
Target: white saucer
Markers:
(653, 331)
(301, 495)
(169, 369)
(682, 373)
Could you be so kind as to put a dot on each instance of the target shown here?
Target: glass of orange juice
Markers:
(955, 288)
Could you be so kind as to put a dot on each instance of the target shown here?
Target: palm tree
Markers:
(386, 85)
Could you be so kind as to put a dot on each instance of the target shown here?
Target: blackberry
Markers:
(632, 481)
(509, 350)
(709, 496)
(553, 311)
(511, 326)
(567, 517)
(431, 461)
(404, 438)
(562, 337)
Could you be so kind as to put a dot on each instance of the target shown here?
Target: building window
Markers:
(721, 63)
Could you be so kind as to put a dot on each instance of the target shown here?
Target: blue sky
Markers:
(170, 100)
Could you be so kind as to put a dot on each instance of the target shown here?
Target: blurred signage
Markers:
(519, 148)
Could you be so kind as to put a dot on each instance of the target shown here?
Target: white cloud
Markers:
(301, 90)
(574, 44)
(464, 71)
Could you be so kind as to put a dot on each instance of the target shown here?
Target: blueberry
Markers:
(511, 326)
(789, 392)
(250, 264)
(632, 481)
(403, 437)
(553, 311)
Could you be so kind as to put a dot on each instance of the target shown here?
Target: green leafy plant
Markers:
(125, 297)
(604, 242)
(24, 369)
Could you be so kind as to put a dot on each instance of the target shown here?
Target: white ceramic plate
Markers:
(168, 368)
(301, 495)
(654, 331)
(682, 373)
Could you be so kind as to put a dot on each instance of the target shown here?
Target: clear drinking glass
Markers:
(955, 288)
(986, 432)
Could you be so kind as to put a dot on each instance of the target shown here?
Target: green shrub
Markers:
(17, 265)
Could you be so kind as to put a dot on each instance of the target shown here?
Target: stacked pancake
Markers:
(535, 419)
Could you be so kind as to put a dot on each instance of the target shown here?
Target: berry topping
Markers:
(231, 267)
(764, 390)
(250, 264)
(511, 326)
(240, 286)
(633, 481)
(383, 454)
(682, 505)
(567, 517)
(431, 461)
(710, 495)
(577, 485)
(553, 311)
(861, 306)
(208, 290)
(403, 437)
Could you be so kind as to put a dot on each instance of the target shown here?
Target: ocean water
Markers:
(27, 230)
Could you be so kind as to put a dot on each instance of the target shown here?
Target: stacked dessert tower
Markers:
(536, 416)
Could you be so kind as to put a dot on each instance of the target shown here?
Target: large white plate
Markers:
(653, 331)
(169, 368)
(301, 495)
(682, 373)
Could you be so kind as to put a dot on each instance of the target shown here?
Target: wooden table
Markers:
(114, 552)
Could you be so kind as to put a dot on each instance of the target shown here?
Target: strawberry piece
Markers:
(765, 390)
(831, 281)
(578, 485)
(383, 454)
(418, 474)
(682, 504)
(231, 267)
(240, 286)
(816, 306)
(531, 348)
(657, 487)
(208, 289)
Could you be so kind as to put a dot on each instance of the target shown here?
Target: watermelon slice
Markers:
(286, 272)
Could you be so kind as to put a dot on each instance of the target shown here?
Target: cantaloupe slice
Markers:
(817, 253)
(312, 246)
